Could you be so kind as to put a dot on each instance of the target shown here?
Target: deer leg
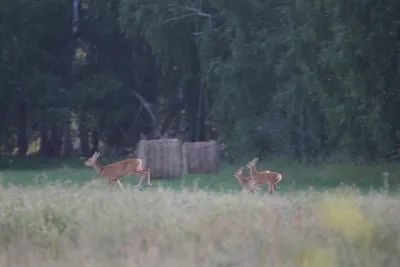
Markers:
(139, 185)
(250, 190)
(256, 187)
(270, 187)
(254, 190)
(143, 173)
(148, 178)
(115, 179)
(147, 173)
(110, 180)
(120, 185)
(276, 186)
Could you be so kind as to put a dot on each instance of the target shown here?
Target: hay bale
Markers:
(163, 157)
(201, 157)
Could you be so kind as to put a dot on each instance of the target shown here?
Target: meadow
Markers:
(56, 213)
(38, 171)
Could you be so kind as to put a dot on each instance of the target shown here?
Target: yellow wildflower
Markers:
(319, 257)
(344, 216)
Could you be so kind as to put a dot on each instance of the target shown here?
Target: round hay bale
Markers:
(163, 157)
(201, 157)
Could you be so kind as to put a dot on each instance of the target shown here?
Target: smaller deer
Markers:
(264, 177)
(247, 182)
(117, 170)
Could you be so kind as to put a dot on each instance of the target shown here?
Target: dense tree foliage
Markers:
(305, 79)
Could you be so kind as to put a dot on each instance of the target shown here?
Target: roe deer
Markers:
(247, 182)
(115, 171)
(264, 177)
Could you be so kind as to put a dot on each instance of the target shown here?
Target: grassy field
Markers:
(32, 171)
(55, 214)
(58, 225)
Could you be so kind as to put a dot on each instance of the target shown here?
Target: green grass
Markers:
(32, 170)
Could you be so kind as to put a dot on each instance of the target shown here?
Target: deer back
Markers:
(267, 176)
(122, 168)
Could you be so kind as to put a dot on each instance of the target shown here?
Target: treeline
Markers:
(305, 79)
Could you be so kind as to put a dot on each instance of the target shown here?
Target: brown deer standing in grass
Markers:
(247, 182)
(117, 170)
(264, 177)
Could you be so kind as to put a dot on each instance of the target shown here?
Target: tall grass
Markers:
(59, 225)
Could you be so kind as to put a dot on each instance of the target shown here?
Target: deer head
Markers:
(92, 160)
(238, 173)
(252, 163)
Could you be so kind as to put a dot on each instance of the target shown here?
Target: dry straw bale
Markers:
(201, 157)
(163, 157)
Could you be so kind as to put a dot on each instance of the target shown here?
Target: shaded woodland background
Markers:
(310, 80)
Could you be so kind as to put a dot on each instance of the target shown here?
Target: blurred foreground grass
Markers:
(59, 225)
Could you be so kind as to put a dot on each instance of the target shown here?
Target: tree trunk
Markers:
(1, 136)
(8, 145)
(195, 110)
(95, 140)
(44, 142)
(74, 30)
(200, 117)
(3, 124)
(83, 135)
(181, 122)
(22, 127)
(67, 137)
(56, 141)
(95, 137)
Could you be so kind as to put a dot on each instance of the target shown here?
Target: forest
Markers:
(312, 80)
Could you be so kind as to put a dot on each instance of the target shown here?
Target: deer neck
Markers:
(253, 170)
(97, 167)
(244, 179)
